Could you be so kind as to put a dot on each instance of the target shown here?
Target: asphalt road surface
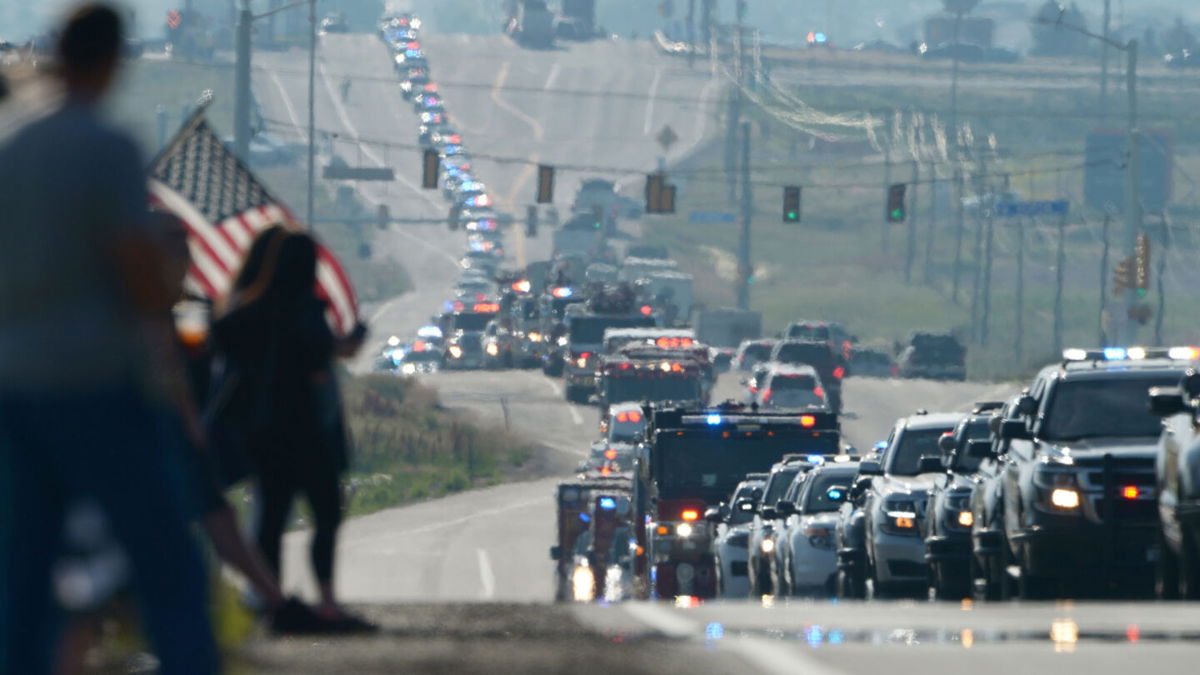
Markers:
(423, 570)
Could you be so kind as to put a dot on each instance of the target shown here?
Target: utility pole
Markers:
(1020, 314)
(1059, 276)
(985, 320)
(1162, 286)
(910, 252)
(241, 83)
(691, 33)
(745, 265)
(958, 15)
(930, 222)
(1103, 338)
(959, 225)
(885, 240)
(1104, 59)
(312, 114)
(1133, 184)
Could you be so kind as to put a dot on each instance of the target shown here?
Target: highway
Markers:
(413, 568)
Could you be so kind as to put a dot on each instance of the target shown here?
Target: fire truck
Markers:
(608, 306)
(691, 461)
(650, 375)
(596, 542)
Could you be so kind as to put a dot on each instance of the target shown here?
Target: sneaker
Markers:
(297, 618)
(349, 624)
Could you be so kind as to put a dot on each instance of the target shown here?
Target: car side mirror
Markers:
(946, 444)
(555, 553)
(980, 449)
(768, 513)
(1027, 405)
(930, 464)
(837, 493)
(870, 468)
(783, 509)
(1167, 401)
(714, 515)
(1014, 430)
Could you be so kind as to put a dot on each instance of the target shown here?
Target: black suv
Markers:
(1078, 485)
(948, 516)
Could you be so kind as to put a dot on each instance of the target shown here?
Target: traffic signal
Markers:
(1141, 266)
(545, 187)
(1123, 277)
(895, 203)
(791, 204)
(660, 197)
(454, 219)
(429, 173)
(597, 216)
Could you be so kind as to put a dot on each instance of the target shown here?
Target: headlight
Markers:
(966, 518)
(683, 530)
(455, 351)
(899, 517)
(581, 362)
(493, 349)
(767, 545)
(1064, 498)
(408, 369)
(535, 337)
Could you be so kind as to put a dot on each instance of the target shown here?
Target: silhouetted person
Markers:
(83, 312)
(275, 338)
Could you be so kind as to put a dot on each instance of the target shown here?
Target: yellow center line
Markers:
(539, 135)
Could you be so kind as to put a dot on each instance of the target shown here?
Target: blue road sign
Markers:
(711, 217)
(1019, 209)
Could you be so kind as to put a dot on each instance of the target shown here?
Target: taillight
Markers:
(839, 372)
(766, 396)
(819, 392)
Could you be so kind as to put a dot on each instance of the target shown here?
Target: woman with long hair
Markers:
(273, 333)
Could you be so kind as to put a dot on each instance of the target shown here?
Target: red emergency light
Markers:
(610, 454)
(522, 286)
(818, 391)
(486, 307)
(630, 416)
(419, 346)
(674, 342)
(690, 515)
(1130, 492)
(647, 310)
(839, 372)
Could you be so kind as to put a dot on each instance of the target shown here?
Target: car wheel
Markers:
(949, 586)
(1030, 587)
(1166, 571)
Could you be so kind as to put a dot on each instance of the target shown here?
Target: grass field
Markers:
(843, 263)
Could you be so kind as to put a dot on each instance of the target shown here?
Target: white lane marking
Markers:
(575, 417)
(375, 538)
(486, 578)
(287, 103)
(650, 100)
(554, 71)
(553, 386)
(769, 656)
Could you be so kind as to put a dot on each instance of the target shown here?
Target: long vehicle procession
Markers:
(1063, 490)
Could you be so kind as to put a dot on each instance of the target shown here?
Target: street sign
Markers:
(667, 137)
(711, 217)
(343, 172)
(1019, 209)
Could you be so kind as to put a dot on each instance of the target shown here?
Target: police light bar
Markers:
(1131, 354)
(607, 503)
(814, 420)
(486, 307)
(674, 342)
(522, 286)
(562, 292)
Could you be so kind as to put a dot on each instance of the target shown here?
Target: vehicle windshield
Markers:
(588, 330)
(700, 465)
(1109, 407)
(815, 355)
(815, 499)
(626, 432)
(470, 321)
(778, 484)
(809, 332)
(793, 391)
(757, 352)
(651, 387)
(736, 515)
(977, 429)
(914, 444)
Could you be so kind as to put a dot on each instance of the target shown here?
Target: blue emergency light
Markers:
(607, 503)
(585, 517)
(834, 494)
(713, 419)
(1114, 353)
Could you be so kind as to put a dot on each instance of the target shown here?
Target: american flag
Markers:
(224, 207)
